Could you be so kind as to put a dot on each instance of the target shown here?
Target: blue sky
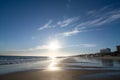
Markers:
(81, 26)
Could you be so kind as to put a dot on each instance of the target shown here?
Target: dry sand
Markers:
(61, 75)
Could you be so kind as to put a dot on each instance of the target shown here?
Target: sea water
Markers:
(10, 64)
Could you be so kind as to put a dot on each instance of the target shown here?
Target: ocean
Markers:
(9, 64)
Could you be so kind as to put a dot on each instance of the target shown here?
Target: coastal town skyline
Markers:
(62, 27)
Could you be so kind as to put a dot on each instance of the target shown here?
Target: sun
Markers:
(54, 45)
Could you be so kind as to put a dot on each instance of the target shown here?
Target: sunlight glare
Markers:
(53, 58)
(54, 45)
(52, 66)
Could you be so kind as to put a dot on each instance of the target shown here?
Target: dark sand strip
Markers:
(62, 75)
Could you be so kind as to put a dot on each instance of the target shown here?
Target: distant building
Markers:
(118, 49)
(106, 50)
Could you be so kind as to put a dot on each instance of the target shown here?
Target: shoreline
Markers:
(105, 57)
(108, 57)
(62, 75)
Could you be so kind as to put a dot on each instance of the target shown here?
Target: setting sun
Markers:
(54, 45)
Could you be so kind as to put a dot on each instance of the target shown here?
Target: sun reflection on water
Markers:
(52, 66)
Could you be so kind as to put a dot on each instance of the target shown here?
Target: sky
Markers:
(80, 26)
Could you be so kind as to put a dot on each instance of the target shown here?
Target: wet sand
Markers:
(63, 75)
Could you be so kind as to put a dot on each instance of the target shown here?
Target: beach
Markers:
(63, 75)
(71, 68)
(59, 39)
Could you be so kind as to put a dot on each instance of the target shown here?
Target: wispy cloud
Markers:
(106, 15)
(16, 50)
(101, 20)
(90, 23)
(76, 31)
(88, 45)
(83, 45)
(97, 21)
(67, 22)
(69, 33)
(109, 19)
(97, 18)
(47, 25)
(42, 47)
(46, 47)
(63, 23)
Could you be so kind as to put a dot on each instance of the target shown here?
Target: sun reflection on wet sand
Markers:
(52, 66)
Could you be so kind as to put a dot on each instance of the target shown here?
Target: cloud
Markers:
(91, 12)
(89, 25)
(46, 47)
(101, 20)
(42, 47)
(88, 45)
(54, 44)
(96, 19)
(75, 31)
(104, 16)
(17, 50)
(69, 33)
(82, 27)
(47, 25)
(109, 19)
(67, 22)
(82, 45)
(63, 23)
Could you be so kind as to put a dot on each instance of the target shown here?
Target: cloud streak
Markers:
(63, 23)
(69, 33)
(75, 31)
(46, 47)
(42, 47)
(88, 45)
(67, 22)
(99, 17)
(89, 25)
(101, 20)
(47, 25)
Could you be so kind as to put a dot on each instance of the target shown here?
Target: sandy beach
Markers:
(58, 69)
(63, 75)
